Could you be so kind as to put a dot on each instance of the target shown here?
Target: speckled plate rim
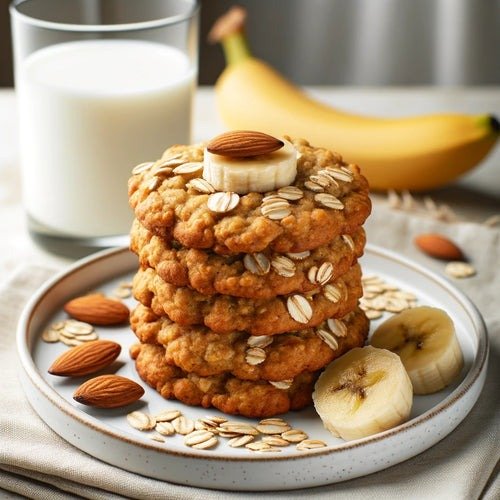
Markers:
(477, 368)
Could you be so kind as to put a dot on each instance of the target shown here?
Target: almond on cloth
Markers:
(108, 391)
(85, 358)
(241, 143)
(438, 246)
(97, 309)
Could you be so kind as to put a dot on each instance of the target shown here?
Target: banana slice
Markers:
(253, 174)
(363, 392)
(424, 338)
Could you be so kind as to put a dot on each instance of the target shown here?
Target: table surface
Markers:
(474, 198)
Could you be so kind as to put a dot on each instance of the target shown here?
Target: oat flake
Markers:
(201, 185)
(188, 168)
(183, 425)
(332, 293)
(261, 446)
(459, 270)
(275, 441)
(299, 255)
(255, 356)
(165, 428)
(283, 266)
(373, 314)
(238, 428)
(299, 308)
(238, 441)
(167, 415)
(282, 384)
(340, 174)
(348, 240)
(223, 202)
(337, 327)
(291, 193)
(294, 435)
(259, 340)
(312, 186)
(321, 180)
(50, 335)
(276, 209)
(257, 263)
(153, 183)
(327, 337)
(142, 167)
(329, 201)
(141, 421)
(309, 444)
(272, 428)
(198, 437)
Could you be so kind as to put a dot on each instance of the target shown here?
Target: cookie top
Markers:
(169, 205)
(262, 275)
(196, 349)
(224, 313)
(253, 399)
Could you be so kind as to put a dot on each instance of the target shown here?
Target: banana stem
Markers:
(235, 47)
(229, 30)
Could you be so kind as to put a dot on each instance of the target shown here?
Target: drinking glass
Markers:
(102, 86)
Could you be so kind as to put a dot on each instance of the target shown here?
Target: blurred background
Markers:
(352, 42)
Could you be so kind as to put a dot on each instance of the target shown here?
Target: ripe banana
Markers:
(252, 174)
(363, 392)
(424, 338)
(415, 153)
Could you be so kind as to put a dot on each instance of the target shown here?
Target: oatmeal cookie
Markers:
(224, 313)
(169, 207)
(254, 399)
(210, 273)
(196, 349)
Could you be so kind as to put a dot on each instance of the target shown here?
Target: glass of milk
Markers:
(102, 86)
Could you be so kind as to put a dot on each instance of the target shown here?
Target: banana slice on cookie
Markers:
(425, 339)
(363, 392)
(246, 161)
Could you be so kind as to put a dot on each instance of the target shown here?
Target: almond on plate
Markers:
(438, 246)
(241, 143)
(97, 309)
(108, 391)
(85, 358)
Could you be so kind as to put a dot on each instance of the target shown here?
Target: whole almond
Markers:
(438, 246)
(97, 309)
(241, 143)
(108, 391)
(85, 358)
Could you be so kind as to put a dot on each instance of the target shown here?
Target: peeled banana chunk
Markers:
(424, 338)
(365, 391)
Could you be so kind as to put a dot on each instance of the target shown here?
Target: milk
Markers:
(89, 112)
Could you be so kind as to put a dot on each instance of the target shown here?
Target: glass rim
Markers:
(104, 28)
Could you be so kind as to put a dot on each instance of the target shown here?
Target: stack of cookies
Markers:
(248, 283)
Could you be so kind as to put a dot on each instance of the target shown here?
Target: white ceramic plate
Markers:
(106, 435)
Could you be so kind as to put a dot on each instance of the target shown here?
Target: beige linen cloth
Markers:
(36, 463)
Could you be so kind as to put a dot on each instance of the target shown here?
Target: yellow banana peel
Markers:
(415, 153)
